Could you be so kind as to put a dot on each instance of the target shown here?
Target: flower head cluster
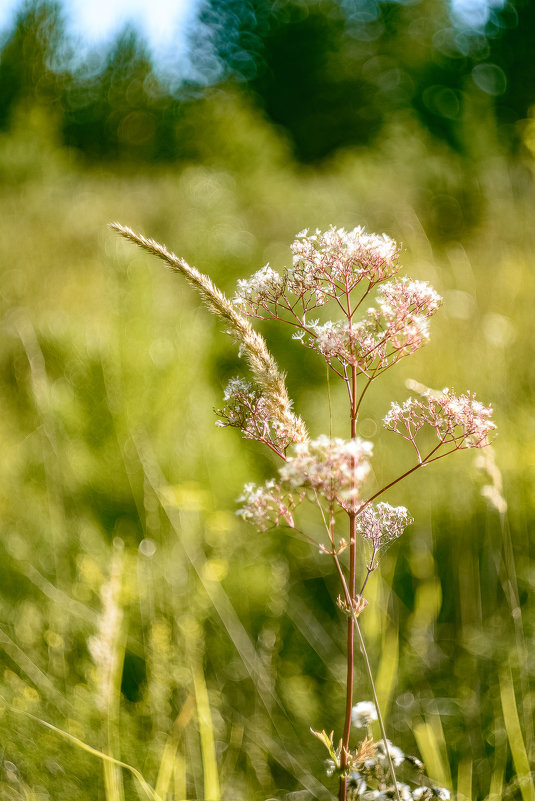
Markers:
(383, 523)
(345, 256)
(325, 266)
(457, 419)
(396, 327)
(405, 295)
(266, 286)
(334, 468)
(396, 754)
(267, 506)
(248, 409)
(404, 309)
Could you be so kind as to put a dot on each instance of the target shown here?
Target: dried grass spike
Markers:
(262, 364)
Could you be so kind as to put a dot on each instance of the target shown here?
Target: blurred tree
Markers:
(110, 112)
(332, 73)
(436, 59)
(297, 60)
(33, 58)
(511, 74)
(312, 81)
(123, 111)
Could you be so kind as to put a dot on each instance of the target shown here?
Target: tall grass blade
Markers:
(113, 782)
(206, 731)
(464, 780)
(376, 702)
(514, 735)
(171, 764)
(497, 778)
(388, 670)
(431, 744)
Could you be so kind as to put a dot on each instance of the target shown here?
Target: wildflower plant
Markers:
(378, 319)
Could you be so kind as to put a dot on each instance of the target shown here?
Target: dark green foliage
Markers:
(32, 59)
(332, 75)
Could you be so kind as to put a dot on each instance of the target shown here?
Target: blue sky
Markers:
(163, 22)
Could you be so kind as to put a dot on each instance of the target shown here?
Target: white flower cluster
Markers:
(402, 414)
(396, 327)
(396, 754)
(325, 266)
(238, 386)
(335, 468)
(460, 420)
(430, 793)
(267, 506)
(368, 783)
(346, 254)
(333, 340)
(405, 294)
(247, 409)
(400, 321)
(266, 283)
(383, 523)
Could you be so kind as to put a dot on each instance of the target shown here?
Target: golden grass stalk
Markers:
(206, 731)
(515, 736)
(107, 649)
(263, 366)
(171, 760)
(431, 743)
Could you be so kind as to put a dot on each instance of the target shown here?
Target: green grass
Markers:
(230, 641)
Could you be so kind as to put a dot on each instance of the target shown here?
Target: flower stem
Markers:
(350, 590)
(350, 596)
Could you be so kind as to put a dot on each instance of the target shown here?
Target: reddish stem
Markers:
(342, 794)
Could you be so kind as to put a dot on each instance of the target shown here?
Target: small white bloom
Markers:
(396, 753)
(428, 793)
(356, 782)
(363, 714)
(404, 792)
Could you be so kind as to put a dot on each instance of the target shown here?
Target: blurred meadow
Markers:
(139, 617)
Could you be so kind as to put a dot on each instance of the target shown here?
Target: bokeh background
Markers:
(139, 616)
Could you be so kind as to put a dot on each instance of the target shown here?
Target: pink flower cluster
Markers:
(247, 410)
(383, 523)
(325, 266)
(459, 420)
(340, 258)
(267, 506)
(334, 468)
(263, 289)
(395, 328)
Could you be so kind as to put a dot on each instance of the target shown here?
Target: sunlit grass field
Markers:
(141, 620)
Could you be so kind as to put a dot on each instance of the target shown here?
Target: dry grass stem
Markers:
(262, 364)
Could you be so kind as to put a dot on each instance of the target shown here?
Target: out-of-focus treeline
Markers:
(330, 74)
